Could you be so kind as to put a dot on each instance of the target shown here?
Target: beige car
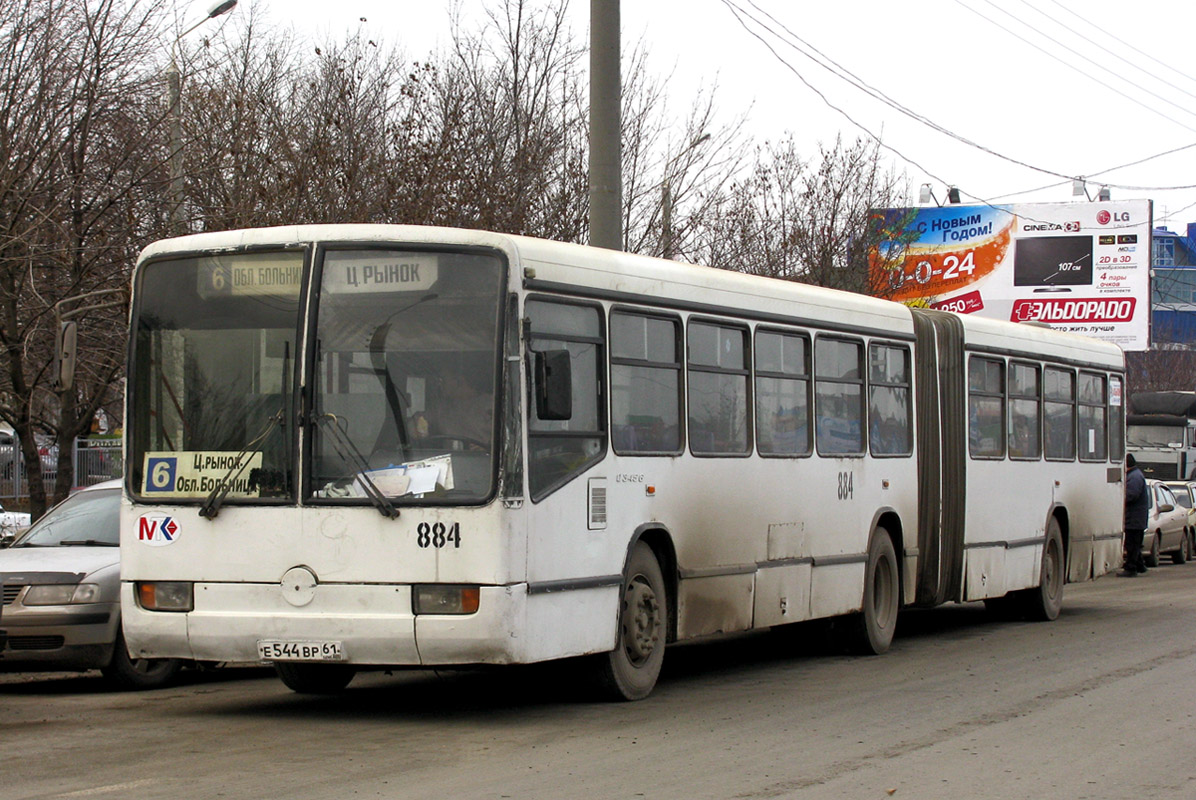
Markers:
(1167, 526)
(1185, 493)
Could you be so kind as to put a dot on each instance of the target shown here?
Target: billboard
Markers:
(1079, 267)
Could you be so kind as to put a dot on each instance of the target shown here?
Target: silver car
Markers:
(1167, 528)
(61, 594)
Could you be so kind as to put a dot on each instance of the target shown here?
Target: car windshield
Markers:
(86, 518)
(1154, 436)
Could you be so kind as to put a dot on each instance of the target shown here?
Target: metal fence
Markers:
(95, 460)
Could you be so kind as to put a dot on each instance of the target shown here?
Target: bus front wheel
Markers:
(875, 624)
(314, 678)
(630, 670)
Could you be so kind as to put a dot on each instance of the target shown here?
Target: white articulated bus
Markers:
(358, 446)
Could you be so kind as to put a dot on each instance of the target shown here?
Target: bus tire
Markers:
(1152, 557)
(871, 631)
(630, 670)
(1044, 602)
(314, 678)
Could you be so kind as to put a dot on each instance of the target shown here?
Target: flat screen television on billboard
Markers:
(1053, 261)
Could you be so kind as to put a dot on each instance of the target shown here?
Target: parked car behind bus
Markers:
(61, 594)
(1167, 527)
(1185, 494)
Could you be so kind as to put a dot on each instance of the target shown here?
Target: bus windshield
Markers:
(406, 375)
(401, 374)
(214, 358)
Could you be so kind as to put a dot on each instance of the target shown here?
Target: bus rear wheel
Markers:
(314, 678)
(629, 672)
(872, 629)
(1046, 601)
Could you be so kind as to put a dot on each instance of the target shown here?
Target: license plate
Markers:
(272, 650)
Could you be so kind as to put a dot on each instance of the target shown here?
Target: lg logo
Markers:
(1105, 217)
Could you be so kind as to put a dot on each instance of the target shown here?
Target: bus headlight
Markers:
(61, 594)
(164, 595)
(445, 598)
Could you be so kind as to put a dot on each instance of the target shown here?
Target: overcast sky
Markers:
(1012, 95)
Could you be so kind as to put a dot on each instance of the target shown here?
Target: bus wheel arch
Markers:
(660, 541)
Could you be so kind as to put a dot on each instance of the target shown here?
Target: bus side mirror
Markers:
(554, 384)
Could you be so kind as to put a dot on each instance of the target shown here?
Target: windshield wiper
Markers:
(87, 543)
(211, 506)
(348, 452)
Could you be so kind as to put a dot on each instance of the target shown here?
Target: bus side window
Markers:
(839, 396)
(1059, 404)
(1116, 420)
(718, 390)
(1025, 411)
(986, 407)
(889, 426)
(782, 394)
(560, 449)
(1092, 417)
(645, 377)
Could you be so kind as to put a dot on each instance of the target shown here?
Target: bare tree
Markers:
(811, 222)
(75, 134)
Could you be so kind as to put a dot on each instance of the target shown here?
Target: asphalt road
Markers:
(1097, 704)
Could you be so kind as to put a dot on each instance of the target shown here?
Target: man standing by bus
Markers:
(1137, 510)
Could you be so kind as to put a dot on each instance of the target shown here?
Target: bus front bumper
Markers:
(371, 625)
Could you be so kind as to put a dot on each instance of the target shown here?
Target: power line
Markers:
(1122, 41)
(836, 69)
(1073, 67)
(1107, 51)
(737, 10)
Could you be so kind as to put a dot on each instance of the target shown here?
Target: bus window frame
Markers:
(1102, 406)
(678, 364)
(133, 464)
(1116, 444)
(908, 386)
(603, 433)
(1002, 395)
(862, 370)
(1010, 397)
(808, 377)
(1070, 370)
(746, 372)
(309, 315)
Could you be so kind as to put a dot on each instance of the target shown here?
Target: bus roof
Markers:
(618, 275)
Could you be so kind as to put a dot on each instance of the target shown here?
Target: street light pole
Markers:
(606, 159)
(666, 199)
(175, 128)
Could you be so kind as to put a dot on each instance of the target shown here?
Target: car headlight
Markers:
(61, 594)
